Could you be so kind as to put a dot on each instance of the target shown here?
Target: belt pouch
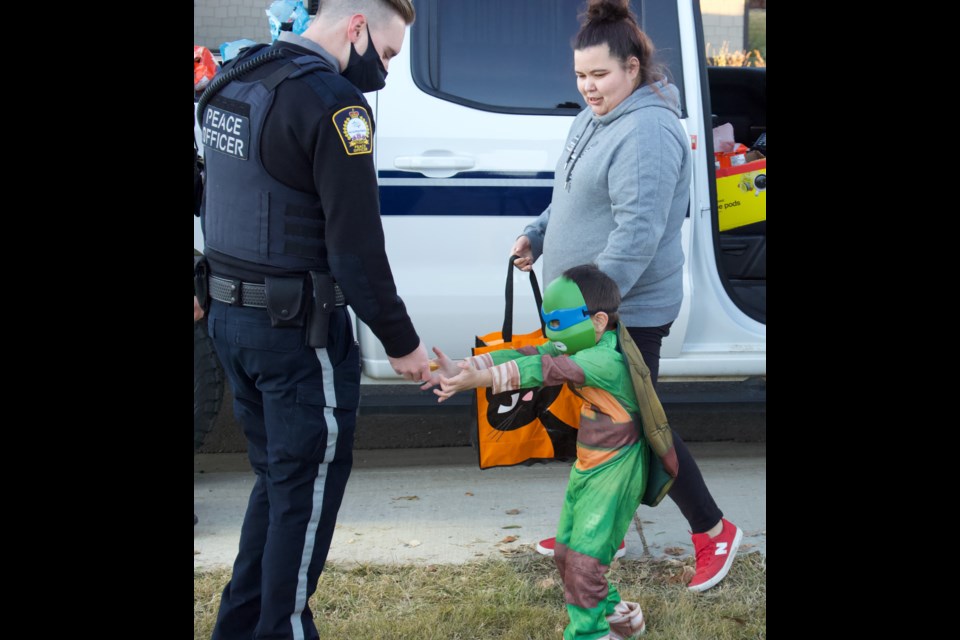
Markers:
(324, 300)
(286, 301)
(201, 271)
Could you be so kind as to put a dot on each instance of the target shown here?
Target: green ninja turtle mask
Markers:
(566, 317)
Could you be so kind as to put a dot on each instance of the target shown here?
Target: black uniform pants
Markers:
(689, 491)
(297, 406)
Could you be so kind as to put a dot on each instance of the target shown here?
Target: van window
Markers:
(516, 57)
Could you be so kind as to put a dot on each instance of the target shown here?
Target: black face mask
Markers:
(366, 72)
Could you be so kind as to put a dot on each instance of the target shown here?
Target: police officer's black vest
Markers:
(249, 215)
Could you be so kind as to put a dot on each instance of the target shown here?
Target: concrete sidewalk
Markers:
(437, 506)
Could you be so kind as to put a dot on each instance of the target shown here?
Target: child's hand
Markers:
(447, 367)
(468, 378)
(440, 366)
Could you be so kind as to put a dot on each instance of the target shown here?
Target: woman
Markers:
(620, 196)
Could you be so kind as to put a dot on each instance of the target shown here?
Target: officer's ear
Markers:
(356, 27)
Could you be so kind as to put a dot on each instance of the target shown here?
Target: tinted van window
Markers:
(516, 57)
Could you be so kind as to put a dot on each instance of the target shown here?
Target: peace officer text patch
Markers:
(227, 131)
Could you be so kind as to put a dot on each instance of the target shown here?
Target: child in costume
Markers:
(608, 480)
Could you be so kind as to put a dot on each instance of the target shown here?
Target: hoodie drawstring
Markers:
(574, 156)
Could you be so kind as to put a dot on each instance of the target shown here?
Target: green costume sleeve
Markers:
(602, 367)
(504, 355)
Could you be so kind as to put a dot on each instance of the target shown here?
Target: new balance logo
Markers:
(721, 548)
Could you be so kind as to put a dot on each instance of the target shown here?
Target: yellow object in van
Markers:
(742, 194)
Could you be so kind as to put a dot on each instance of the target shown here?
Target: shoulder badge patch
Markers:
(353, 125)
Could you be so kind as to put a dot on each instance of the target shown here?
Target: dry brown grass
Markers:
(724, 57)
(518, 597)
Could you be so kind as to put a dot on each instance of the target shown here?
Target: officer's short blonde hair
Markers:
(378, 10)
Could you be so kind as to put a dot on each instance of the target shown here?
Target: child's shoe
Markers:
(626, 621)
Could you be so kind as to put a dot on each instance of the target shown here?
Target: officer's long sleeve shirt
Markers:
(302, 147)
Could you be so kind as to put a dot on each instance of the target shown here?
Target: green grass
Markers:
(757, 33)
(515, 598)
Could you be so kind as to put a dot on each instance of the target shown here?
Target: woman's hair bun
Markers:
(608, 10)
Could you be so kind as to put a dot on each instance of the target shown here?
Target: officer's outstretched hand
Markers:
(414, 366)
(522, 249)
(197, 309)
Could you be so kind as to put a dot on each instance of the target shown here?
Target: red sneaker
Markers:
(546, 546)
(714, 555)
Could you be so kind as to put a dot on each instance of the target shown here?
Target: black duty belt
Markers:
(251, 294)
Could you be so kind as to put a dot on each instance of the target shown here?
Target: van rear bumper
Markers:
(401, 416)
(748, 394)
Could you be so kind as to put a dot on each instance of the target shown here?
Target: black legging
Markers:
(689, 491)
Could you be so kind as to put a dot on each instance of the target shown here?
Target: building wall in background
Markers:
(219, 21)
(723, 21)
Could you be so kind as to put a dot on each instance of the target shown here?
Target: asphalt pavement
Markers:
(436, 506)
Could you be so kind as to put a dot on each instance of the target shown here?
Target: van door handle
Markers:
(436, 164)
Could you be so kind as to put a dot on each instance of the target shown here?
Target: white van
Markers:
(468, 130)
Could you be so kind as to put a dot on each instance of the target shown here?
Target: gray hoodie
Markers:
(620, 195)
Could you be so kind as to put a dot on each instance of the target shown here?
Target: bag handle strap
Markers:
(507, 330)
